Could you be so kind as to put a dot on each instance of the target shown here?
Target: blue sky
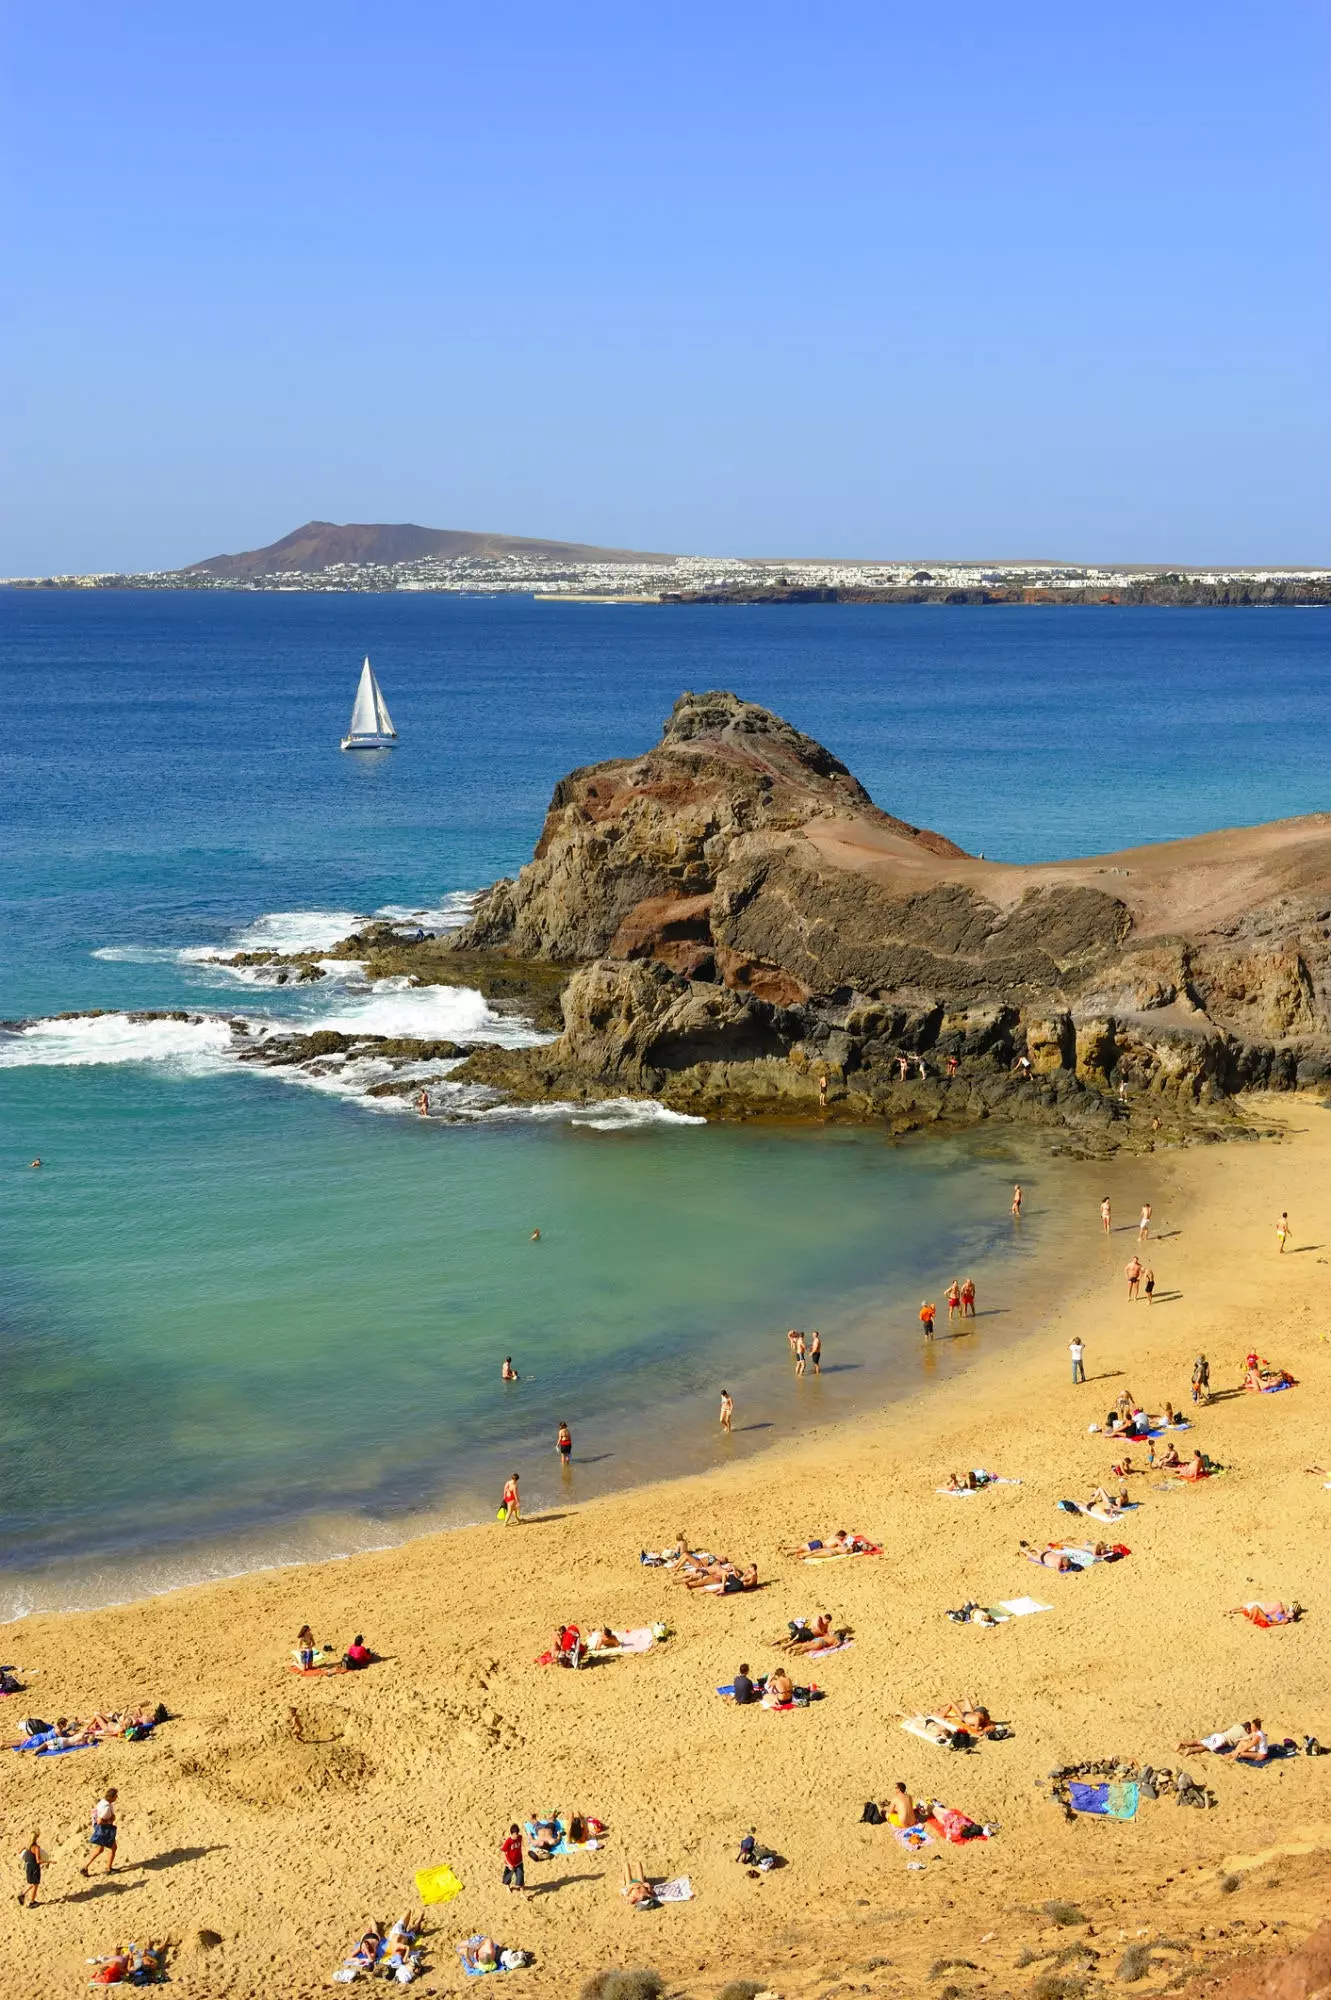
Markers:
(751, 278)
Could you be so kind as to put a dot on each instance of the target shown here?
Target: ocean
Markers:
(248, 1319)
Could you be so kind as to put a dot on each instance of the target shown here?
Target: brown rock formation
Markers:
(744, 918)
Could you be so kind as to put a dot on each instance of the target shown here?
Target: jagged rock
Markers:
(746, 921)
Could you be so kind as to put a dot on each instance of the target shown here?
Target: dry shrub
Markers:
(741, 1989)
(1135, 1963)
(1058, 1986)
(1229, 1883)
(616, 1985)
(1065, 1914)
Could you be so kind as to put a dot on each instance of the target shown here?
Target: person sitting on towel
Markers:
(780, 1689)
(902, 1809)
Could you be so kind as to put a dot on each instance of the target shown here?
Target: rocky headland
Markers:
(731, 925)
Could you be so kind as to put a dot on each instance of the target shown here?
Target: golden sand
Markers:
(286, 1849)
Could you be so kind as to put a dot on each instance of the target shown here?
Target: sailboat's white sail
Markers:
(371, 724)
(381, 706)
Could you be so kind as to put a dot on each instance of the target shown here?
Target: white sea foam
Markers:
(137, 954)
(612, 1114)
(427, 1013)
(438, 918)
(292, 930)
(190, 1048)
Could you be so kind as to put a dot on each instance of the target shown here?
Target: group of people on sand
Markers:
(960, 1298)
(310, 1657)
(102, 1840)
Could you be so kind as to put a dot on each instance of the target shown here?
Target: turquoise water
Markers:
(242, 1319)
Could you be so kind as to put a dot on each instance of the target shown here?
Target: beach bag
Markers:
(34, 1726)
(872, 1814)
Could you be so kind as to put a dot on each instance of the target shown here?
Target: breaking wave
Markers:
(191, 1048)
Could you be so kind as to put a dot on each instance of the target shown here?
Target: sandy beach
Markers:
(286, 1849)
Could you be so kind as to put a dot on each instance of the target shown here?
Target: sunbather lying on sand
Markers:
(804, 1637)
(636, 1888)
(967, 1714)
(1048, 1557)
(842, 1543)
(1268, 1614)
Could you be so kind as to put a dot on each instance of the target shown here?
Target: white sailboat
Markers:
(371, 724)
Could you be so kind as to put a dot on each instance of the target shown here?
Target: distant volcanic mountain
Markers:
(320, 545)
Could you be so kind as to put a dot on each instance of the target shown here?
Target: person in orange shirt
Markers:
(928, 1313)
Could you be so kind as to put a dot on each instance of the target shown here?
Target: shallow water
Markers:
(245, 1318)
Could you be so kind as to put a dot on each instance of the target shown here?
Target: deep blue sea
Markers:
(246, 1320)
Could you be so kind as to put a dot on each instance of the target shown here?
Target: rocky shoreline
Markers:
(728, 924)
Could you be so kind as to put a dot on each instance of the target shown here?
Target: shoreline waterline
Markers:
(876, 1359)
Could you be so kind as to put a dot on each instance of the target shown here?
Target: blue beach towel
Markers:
(1111, 1801)
(62, 1749)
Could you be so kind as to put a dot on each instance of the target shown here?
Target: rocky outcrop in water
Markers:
(751, 932)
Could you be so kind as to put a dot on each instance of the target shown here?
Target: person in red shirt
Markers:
(511, 1849)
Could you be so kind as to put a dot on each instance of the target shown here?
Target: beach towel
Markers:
(929, 1730)
(1020, 1607)
(1272, 1388)
(822, 1652)
(561, 1846)
(677, 1890)
(913, 1836)
(1110, 1801)
(437, 1885)
(62, 1749)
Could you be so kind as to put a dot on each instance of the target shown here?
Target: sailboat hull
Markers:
(369, 742)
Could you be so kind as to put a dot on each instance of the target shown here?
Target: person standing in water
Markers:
(1105, 1223)
(928, 1312)
(952, 1296)
(800, 1355)
(1283, 1231)
(727, 1410)
(1148, 1284)
(512, 1506)
(423, 1103)
(508, 1373)
(1016, 1202)
(816, 1351)
(564, 1445)
(968, 1298)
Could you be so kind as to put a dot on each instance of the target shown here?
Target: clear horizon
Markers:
(708, 283)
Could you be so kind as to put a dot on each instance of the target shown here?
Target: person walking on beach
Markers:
(800, 1355)
(102, 1839)
(816, 1351)
(511, 1508)
(1132, 1271)
(1148, 1284)
(1283, 1231)
(1105, 1223)
(32, 1859)
(953, 1297)
(1077, 1350)
(1201, 1380)
(564, 1445)
(1016, 1202)
(928, 1312)
(1144, 1225)
(968, 1298)
(727, 1410)
(511, 1849)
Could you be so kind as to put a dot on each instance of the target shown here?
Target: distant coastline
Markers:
(378, 557)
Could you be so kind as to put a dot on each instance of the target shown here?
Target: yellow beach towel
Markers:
(437, 1885)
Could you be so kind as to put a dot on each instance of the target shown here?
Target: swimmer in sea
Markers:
(508, 1373)
(34, 1163)
(536, 1236)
